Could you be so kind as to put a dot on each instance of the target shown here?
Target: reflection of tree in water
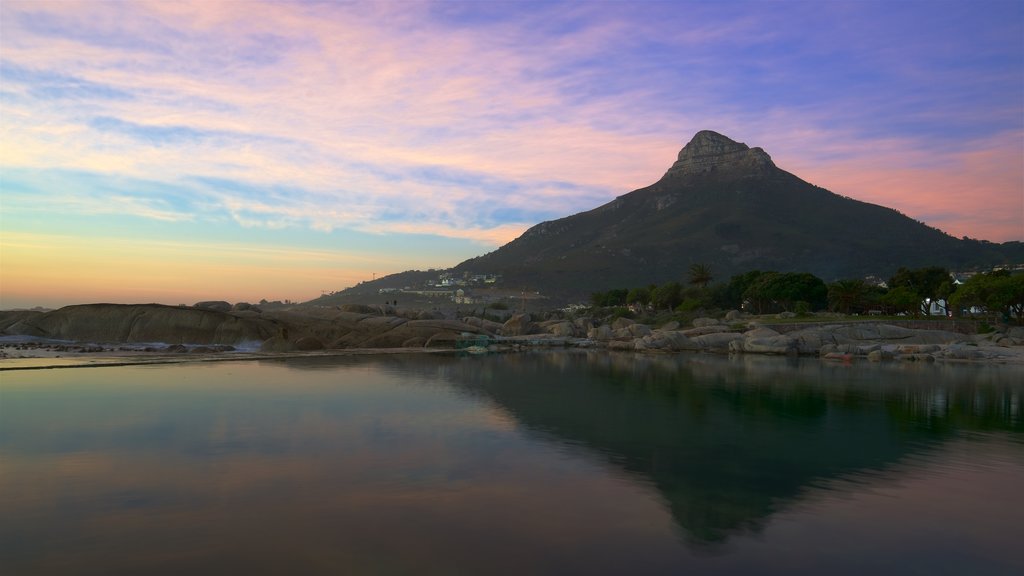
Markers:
(727, 443)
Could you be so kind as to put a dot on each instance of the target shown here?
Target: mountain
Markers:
(724, 205)
(729, 207)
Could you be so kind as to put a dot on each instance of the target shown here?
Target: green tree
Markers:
(668, 295)
(700, 275)
(731, 294)
(848, 296)
(930, 283)
(998, 292)
(775, 290)
(614, 297)
(902, 300)
(641, 295)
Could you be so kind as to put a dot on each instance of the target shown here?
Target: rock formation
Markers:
(710, 151)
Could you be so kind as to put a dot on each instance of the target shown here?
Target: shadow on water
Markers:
(727, 443)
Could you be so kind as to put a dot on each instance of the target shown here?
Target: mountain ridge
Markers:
(728, 206)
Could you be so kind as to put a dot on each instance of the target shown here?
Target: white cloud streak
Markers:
(399, 117)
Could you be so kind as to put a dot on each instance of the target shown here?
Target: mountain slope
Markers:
(727, 206)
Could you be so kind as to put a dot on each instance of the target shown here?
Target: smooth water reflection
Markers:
(535, 463)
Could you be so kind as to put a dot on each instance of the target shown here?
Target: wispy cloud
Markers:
(473, 121)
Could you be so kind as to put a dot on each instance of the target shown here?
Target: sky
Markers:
(177, 152)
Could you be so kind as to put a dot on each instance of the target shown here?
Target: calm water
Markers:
(514, 464)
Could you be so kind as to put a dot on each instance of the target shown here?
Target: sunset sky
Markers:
(174, 152)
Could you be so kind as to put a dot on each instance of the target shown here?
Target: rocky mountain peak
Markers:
(710, 151)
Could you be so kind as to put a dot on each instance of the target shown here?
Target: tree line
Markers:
(909, 291)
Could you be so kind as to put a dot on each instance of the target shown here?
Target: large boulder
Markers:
(309, 343)
(144, 323)
(669, 341)
(622, 322)
(216, 305)
(563, 329)
(601, 333)
(518, 325)
(277, 344)
(777, 344)
(716, 342)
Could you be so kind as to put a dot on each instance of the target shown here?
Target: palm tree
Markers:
(700, 275)
(846, 296)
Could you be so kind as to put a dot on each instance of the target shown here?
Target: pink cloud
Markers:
(976, 192)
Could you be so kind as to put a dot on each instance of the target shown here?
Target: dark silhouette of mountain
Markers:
(729, 207)
(726, 206)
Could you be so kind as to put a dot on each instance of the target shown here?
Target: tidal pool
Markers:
(537, 463)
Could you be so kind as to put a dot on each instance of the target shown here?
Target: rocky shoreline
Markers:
(242, 331)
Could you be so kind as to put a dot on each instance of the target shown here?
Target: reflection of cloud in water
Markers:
(566, 461)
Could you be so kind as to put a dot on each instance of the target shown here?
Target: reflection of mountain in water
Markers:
(729, 443)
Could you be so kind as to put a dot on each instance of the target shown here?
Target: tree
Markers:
(774, 290)
(902, 300)
(614, 297)
(930, 283)
(998, 292)
(700, 275)
(640, 295)
(668, 295)
(731, 295)
(848, 296)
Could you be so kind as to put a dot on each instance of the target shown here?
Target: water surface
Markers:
(545, 463)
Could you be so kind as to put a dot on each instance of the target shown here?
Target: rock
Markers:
(702, 322)
(916, 348)
(785, 315)
(442, 340)
(717, 342)
(216, 305)
(127, 323)
(621, 345)
(518, 325)
(760, 332)
(709, 329)
(176, 348)
(673, 325)
(308, 343)
(777, 344)
(415, 342)
(733, 316)
(710, 151)
(564, 329)
(621, 323)
(488, 326)
(358, 308)
(600, 333)
(622, 334)
(961, 352)
(584, 325)
(879, 355)
(277, 344)
(638, 330)
(669, 340)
